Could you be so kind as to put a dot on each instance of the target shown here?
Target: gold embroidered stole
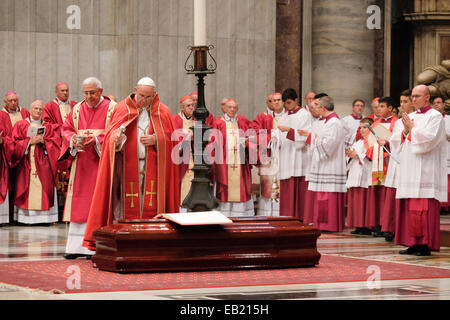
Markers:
(64, 110)
(88, 133)
(233, 162)
(35, 187)
(14, 117)
(189, 175)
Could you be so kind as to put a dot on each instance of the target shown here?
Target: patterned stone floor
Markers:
(48, 243)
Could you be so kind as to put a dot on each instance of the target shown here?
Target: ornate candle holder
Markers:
(200, 196)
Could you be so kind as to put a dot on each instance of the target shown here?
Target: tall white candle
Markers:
(199, 23)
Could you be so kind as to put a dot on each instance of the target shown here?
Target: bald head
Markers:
(420, 96)
(62, 91)
(11, 101)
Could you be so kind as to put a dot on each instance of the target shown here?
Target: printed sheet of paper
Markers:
(196, 218)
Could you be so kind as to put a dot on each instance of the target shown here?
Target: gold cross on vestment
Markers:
(235, 149)
(132, 195)
(151, 193)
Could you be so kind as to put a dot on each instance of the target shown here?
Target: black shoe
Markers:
(423, 251)
(378, 234)
(366, 232)
(356, 231)
(411, 250)
(389, 236)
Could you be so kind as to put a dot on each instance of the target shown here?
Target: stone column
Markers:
(342, 52)
(288, 46)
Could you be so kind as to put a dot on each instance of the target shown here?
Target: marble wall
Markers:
(342, 52)
(120, 41)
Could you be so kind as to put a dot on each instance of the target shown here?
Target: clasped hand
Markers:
(86, 143)
(37, 139)
(148, 140)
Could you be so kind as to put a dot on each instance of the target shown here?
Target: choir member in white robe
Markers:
(314, 109)
(293, 156)
(391, 206)
(327, 175)
(358, 180)
(422, 186)
(439, 105)
(380, 160)
(351, 122)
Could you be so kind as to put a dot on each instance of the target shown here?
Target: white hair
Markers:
(94, 81)
(35, 102)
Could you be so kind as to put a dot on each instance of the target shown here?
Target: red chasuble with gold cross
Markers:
(232, 173)
(120, 192)
(36, 169)
(88, 122)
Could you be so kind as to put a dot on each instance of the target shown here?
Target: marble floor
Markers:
(48, 243)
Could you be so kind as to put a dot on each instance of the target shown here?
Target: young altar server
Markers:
(380, 160)
(358, 180)
(391, 206)
(293, 156)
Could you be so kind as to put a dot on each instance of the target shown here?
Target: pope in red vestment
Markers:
(35, 157)
(137, 178)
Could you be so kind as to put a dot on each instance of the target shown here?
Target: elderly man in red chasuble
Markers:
(35, 154)
(9, 115)
(232, 169)
(137, 178)
(83, 134)
(55, 113)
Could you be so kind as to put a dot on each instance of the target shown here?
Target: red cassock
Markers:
(7, 122)
(220, 166)
(376, 193)
(264, 124)
(91, 122)
(55, 115)
(118, 175)
(9, 119)
(40, 160)
(4, 182)
(184, 165)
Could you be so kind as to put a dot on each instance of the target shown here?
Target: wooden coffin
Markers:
(249, 242)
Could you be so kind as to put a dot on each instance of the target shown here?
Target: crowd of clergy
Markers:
(94, 162)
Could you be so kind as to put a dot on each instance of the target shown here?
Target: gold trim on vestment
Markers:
(35, 186)
(233, 162)
(189, 175)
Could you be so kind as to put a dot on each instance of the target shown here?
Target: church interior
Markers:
(350, 49)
